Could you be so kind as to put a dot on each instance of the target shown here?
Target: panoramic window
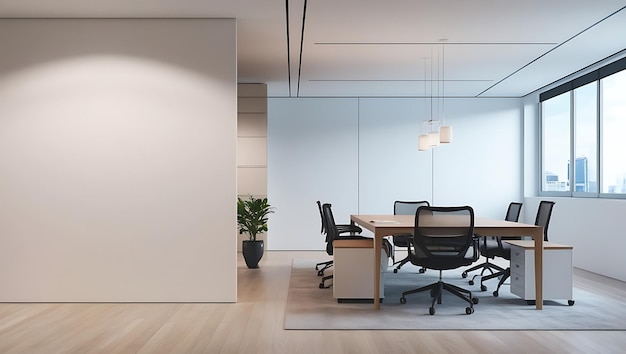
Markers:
(613, 128)
(586, 138)
(556, 143)
(582, 144)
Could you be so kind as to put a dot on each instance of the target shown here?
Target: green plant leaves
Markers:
(252, 215)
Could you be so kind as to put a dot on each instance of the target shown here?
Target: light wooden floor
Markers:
(255, 325)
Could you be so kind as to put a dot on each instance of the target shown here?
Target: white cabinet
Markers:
(557, 270)
(353, 270)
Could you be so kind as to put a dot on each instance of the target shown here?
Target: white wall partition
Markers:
(390, 166)
(117, 160)
(481, 168)
(361, 155)
(312, 155)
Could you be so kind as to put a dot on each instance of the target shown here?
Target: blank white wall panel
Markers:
(483, 166)
(117, 160)
(312, 155)
(390, 166)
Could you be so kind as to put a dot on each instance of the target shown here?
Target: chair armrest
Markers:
(343, 228)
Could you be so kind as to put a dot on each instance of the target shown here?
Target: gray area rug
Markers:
(309, 307)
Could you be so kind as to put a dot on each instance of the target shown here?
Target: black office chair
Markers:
(332, 233)
(343, 228)
(405, 208)
(490, 248)
(544, 212)
(441, 248)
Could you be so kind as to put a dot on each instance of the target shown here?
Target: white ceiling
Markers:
(392, 48)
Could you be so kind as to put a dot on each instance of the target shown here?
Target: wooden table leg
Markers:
(538, 237)
(378, 245)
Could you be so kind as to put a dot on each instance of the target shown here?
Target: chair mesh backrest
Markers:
(319, 206)
(331, 227)
(543, 216)
(512, 213)
(407, 207)
(443, 234)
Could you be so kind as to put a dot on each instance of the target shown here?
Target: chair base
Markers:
(323, 283)
(324, 265)
(486, 266)
(504, 275)
(403, 262)
(436, 291)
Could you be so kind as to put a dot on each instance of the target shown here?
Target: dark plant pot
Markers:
(252, 252)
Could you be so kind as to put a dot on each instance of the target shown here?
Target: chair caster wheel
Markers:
(464, 275)
(395, 271)
(483, 287)
(320, 273)
(321, 285)
(495, 293)
(469, 310)
(570, 302)
(403, 300)
(471, 282)
(422, 270)
(474, 300)
(431, 310)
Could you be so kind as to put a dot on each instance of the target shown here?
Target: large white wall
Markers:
(117, 160)
(360, 154)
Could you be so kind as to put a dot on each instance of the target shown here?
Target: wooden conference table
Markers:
(386, 225)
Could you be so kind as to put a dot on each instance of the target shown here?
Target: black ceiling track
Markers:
(301, 45)
(288, 56)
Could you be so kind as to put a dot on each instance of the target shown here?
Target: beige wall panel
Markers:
(252, 90)
(252, 180)
(117, 160)
(252, 104)
(252, 125)
(251, 151)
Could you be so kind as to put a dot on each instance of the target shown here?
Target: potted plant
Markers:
(252, 218)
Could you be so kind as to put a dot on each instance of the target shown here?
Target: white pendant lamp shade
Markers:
(445, 134)
(422, 143)
(433, 138)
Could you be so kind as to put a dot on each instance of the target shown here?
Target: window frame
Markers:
(569, 87)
